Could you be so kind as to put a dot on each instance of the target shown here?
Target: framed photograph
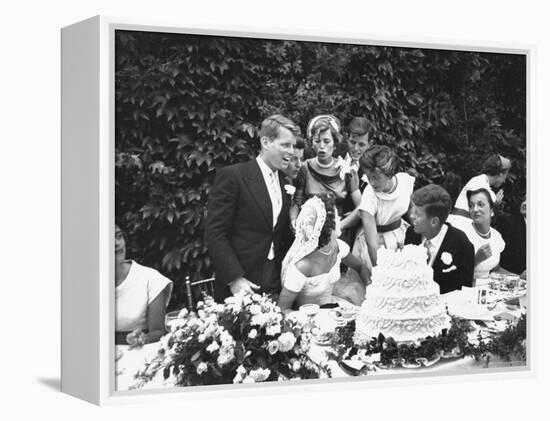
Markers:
(244, 209)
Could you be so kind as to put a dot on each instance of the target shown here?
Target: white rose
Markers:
(273, 347)
(241, 370)
(252, 334)
(212, 347)
(286, 342)
(273, 330)
(255, 309)
(225, 358)
(201, 368)
(259, 319)
(364, 178)
(446, 258)
(248, 379)
(260, 374)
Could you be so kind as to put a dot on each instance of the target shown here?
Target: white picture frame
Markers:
(88, 213)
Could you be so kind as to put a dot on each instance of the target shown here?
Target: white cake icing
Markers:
(403, 301)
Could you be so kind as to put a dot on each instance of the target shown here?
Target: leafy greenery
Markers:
(187, 105)
(452, 342)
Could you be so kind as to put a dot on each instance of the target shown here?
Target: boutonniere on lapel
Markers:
(365, 179)
(447, 259)
(290, 189)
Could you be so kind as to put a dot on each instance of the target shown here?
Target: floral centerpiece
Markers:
(245, 340)
(459, 340)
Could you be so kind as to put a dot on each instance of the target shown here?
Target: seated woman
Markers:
(324, 173)
(142, 295)
(495, 170)
(487, 241)
(312, 265)
(385, 201)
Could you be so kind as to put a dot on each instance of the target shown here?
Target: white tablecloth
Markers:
(458, 302)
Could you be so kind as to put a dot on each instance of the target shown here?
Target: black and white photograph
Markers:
(302, 209)
(275, 210)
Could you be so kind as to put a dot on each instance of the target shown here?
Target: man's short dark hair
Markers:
(271, 126)
(361, 126)
(436, 199)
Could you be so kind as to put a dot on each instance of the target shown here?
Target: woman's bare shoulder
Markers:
(305, 266)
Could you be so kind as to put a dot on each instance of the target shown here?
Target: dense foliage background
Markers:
(187, 105)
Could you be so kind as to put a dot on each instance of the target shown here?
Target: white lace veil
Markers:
(309, 224)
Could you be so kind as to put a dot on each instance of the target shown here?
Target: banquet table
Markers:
(461, 303)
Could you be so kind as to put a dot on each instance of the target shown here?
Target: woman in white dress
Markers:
(487, 241)
(495, 170)
(142, 295)
(312, 265)
(385, 200)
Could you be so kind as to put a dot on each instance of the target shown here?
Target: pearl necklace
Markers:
(325, 165)
(482, 235)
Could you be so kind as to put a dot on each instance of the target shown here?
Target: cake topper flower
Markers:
(446, 258)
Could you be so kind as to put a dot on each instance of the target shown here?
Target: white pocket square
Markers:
(453, 267)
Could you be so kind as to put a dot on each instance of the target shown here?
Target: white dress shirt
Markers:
(435, 243)
(271, 179)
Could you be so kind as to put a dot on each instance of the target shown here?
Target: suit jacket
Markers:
(239, 227)
(460, 271)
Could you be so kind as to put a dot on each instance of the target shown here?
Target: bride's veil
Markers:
(309, 224)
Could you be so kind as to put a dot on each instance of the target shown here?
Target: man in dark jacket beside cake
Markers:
(450, 253)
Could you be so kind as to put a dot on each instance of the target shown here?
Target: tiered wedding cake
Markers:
(403, 301)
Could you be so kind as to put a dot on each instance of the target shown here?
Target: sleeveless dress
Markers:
(315, 289)
(133, 296)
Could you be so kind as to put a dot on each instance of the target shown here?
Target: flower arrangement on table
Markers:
(454, 342)
(245, 340)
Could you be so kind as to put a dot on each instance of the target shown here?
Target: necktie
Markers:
(429, 246)
(275, 190)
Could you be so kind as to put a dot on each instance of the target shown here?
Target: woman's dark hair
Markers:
(330, 220)
(382, 158)
(493, 165)
(436, 199)
(324, 123)
(470, 193)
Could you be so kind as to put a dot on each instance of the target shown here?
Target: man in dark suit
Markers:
(450, 253)
(248, 215)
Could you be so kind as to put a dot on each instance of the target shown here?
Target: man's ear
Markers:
(434, 221)
(264, 141)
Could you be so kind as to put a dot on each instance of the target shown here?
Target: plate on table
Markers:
(471, 312)
(342, 315)
(324, 338)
